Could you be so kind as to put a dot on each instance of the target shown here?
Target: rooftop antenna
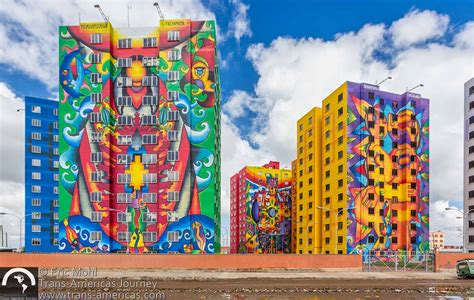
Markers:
(162, 17)
(419, 85)
(129, 6)
(379, 83)
(106, 19)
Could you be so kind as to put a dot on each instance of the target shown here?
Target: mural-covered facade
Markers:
(261, 210)
(139, 138)
(363, 183)
(388, 163)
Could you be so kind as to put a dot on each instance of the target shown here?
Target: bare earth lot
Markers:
(284, 284)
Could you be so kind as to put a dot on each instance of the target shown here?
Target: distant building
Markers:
(260, 218)
(437, 240)
(139, 119)
(451, 248)
(362, 181)
(41, 175)
(468, 236)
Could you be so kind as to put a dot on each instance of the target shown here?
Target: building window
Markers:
(55, 228)
(96, 38)
(124, 197)
(124, 62)
(124, 159)
(173, 75)
(173, 176)
(96, 58)
(96, 157)
(124, 81)
(172, 135)
(340, 97)
(150, 61)
(36, 162)
(173, 196)
(36, 202)
(174, 55)
(96, 78)
(36, 189)
(95, 117)
(96, 176)
(173, 115)
(124, 178)
(173, 95)
(36, 149)
(149, 159)
(95, 236)
(149, 139)
(149, 217)
(36, 242)
(124, 120)
(339, 112)
(149, 237)
(340, 140)
(172, 156)
(124, 101)
(149, 197)
(36, 136)
(36, 215)
(149, 120)
(36, 176)
(173, 236)
(96, 216)
(149, 178)
(124, 43)
(149, 42)
(173, 216)
(35, 122)
(96, 196)
(150, 80)
(150, 100)
(123, 236)
(173, 36)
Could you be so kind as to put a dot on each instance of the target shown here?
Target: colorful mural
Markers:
(139, 138)
(268, 210)
(388, 171)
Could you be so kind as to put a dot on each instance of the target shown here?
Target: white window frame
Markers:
(124, 101)
(96, 197)
(173, 36)
(149, 178)
(96, 98)
(96, 216)
(150, 61)
(96, 236)
(124, 140)
(36, 136)
(124, 81)
(150, 100)
(172, 156)
(173, 75)
(149, 139)
(36, 175)
(149, 42)
(149, 197)
(174, 54)
(36, 162)
(124, 178)
(96, 176)
(150, 80)
(96, 136)
(124, 120)
(55, 177)
(173, 115)
(96, 38)
(149, 217)
(124, 62)
(172, 196)
(36, 215)
(173, 236)
(96, 78)
(36, 189)
(36, 149)
(35, 202)
(96, 157)
(36, 122)
(124, 198)
(172, 176)
(36, 109)
(95, 117)
(36, 242)
(172, 216)
(124, 159)
(123, 236)
(147, 120)
(55, 112)
(35, 228)
(149, 158)
(173, 95)
(124, 43)
(124, 217)
(172, 135)
(149, 237)
(96, 58)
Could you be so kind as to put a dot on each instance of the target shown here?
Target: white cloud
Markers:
(12, 202)
(240, 23)
(29, 30)
(417, 27)
(447, 221)
(465, 37)
(296, 74)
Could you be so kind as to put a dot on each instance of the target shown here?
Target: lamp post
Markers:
(385, 79)
(336, 214)
(464, 214)
(415, 87)
(20, 221)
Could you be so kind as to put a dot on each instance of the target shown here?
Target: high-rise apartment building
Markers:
(260, 210)
(139, 122)
(363, 172)
(41, 175)
(468, 225)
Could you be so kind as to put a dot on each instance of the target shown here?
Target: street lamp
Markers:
(385, 79)
(415, 87)
(336, 213)
(20, 220)
(464, 214)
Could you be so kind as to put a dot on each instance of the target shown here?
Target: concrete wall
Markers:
(154, 261)
(446, 260)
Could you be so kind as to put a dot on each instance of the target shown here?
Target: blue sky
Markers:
(278, 60)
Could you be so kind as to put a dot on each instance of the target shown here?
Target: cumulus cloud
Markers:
(30, 29)
(417, 27)
(296, 74)
(240, 23)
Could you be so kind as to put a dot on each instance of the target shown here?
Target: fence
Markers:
(395, 261)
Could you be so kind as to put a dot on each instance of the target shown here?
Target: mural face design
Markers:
(268, 209)
(388, 187)
(149, 149)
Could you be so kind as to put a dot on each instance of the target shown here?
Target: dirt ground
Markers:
(279, 284)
